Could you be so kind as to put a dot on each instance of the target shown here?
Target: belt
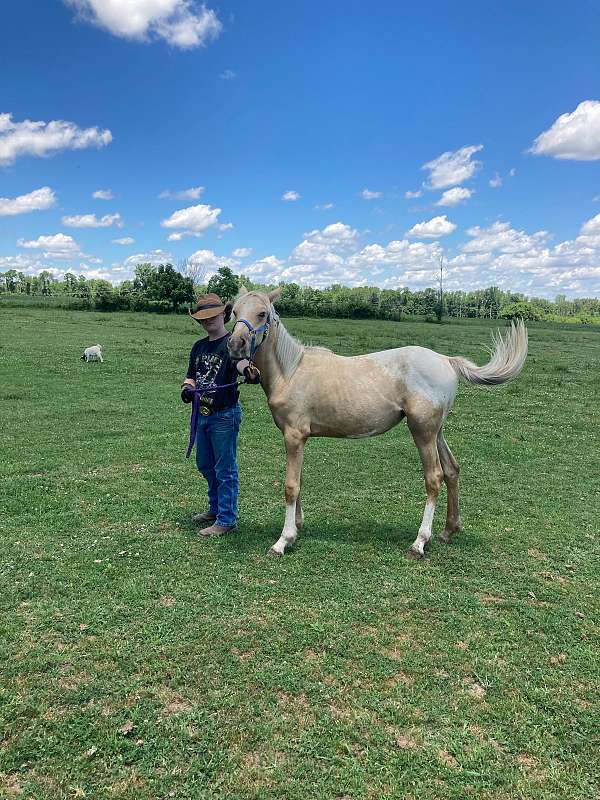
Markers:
(206, 411)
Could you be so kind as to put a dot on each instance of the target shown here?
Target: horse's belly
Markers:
(359, 422)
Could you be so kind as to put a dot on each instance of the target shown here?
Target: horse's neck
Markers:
(278, 357)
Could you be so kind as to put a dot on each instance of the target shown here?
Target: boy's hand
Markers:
(187, 392)
(252, 374)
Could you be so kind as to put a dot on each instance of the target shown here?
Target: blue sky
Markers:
(228, 109)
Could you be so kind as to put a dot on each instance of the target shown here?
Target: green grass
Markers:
(138, 662)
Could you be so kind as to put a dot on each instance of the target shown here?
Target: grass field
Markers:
(138, 662)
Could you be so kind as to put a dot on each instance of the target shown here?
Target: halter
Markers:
(264, 329)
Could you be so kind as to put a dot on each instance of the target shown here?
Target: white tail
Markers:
(508, 356)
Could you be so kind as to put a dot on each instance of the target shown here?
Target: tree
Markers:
(106, 299)
(144, 274)
(70, 283)
(45, 282)
(193, 268)
(11, 278)
(224, 283)
(521, 309)
(440, 306)
(167, 285)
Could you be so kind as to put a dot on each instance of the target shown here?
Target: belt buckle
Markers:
(205, 411)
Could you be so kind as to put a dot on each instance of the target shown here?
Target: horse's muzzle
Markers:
(238, 346)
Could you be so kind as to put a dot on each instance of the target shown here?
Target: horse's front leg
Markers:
(294, 454)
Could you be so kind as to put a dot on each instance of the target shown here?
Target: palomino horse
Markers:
(314, 392)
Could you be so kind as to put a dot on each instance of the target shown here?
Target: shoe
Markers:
(205, 516)
(216, 530)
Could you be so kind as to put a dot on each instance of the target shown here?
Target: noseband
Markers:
(264, 329)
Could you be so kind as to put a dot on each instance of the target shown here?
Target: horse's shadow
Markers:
(253, 537)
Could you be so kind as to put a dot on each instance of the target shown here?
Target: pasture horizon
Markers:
(138, 662)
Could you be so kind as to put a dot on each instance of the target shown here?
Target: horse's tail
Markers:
(508, 356)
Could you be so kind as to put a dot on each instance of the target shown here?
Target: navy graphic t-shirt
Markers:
(211, 365)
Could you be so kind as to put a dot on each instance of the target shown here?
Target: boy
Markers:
(220, 415)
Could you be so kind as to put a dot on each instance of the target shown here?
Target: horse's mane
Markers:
(288, 351)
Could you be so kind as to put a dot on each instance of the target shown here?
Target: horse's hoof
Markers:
(274, 553)
(413, 555)
(447, 535)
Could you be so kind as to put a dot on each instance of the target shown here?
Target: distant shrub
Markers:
(522, 310)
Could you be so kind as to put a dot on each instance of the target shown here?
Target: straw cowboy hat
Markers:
(210, 305)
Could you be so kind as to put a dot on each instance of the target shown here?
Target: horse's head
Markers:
(253, 313)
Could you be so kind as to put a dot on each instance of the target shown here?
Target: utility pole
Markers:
(440, 310)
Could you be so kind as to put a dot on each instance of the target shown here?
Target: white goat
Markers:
(92, 353)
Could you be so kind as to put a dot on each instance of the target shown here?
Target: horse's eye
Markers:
(262, 314)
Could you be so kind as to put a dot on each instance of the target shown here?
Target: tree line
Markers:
(164, 288)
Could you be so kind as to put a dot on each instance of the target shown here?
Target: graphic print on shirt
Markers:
(207, 369)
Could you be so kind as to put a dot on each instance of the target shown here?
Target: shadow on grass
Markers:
(258, 537)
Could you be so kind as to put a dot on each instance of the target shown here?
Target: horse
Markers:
(312, 391)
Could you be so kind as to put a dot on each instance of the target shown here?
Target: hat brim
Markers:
(207, 313)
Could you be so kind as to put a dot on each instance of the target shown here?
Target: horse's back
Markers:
(422, 372)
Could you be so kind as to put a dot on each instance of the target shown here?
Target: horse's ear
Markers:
(275, 294)
(227, 312)
(241, 291)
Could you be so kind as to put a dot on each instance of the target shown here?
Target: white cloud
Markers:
(324, 207)
(185, 194)
(432, 229)
(290, 195)
(193, 221)
(496, 181)
(149, 257)
(313, 263)
(103, 194)
(500, 236)
(242, 252)
(367, 194)
(179, 22)
(453, 167)
(496, 254)
(591, 227)
(125, 240)
(209, 262)
(512, 172)
(574, 136)
(227, 75)
(334, 238)
(45, 138)
(265, 269)
(96, 274)
(503, 256)
(413, 195)
(92, 221)
(38, 200)
(452, 197)
(399, 253)
(57, 245)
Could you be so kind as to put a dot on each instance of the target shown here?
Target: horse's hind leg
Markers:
(451, 469)
(425, 440)
(299, 512)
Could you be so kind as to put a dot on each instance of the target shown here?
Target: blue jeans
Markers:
(216, 451)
